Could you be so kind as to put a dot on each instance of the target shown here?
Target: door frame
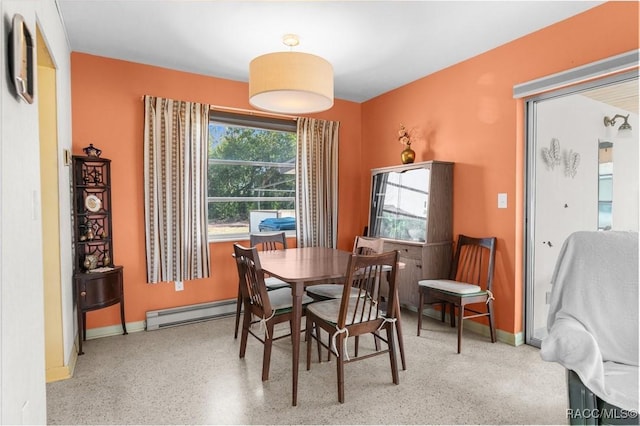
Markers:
(600, 73)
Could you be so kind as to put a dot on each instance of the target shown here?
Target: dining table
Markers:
(301, 267)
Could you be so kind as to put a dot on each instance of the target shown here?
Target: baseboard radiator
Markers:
(181, 315)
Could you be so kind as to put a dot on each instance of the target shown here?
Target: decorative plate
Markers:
(92, 203)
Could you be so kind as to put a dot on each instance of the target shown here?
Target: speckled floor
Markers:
(192, 375)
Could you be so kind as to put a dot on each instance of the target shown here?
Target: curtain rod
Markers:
(249, 112)
(253, 112)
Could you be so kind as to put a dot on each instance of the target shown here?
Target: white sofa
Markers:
(593, 325)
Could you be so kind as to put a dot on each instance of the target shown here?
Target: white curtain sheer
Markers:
(176, 137)
(317, 183)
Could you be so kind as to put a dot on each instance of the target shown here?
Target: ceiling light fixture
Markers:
(624, 131)
(291, 82)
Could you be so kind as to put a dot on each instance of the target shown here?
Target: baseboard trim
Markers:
(56, 374)
(513, 339)
(114, 330)
(65, 372)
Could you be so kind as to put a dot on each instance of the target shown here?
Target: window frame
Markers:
(254, 122)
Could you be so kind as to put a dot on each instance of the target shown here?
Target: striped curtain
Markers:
(176, 136)
(317, 183)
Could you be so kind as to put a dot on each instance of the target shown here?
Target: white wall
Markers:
(22, 375)
(625, 174)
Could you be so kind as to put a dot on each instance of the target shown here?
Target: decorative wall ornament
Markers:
(551, 155)
(571, 162)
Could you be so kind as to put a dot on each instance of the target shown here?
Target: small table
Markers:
(300, 267)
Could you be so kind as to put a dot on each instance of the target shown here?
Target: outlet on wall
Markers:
(179, 285)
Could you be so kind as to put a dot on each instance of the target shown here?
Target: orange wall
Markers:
(465, 114)
(107, 110)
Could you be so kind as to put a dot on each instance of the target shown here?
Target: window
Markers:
(251, 175)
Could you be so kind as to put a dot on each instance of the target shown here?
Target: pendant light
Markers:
(291, 82)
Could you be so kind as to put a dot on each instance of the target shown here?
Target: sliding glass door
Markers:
(581, 175)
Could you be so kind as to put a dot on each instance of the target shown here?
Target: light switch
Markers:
(502, 200)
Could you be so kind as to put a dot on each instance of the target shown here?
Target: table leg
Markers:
(297, 290)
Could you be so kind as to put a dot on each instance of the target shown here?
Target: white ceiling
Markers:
(374, 46)
(622, 95)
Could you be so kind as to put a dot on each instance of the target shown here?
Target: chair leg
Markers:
(398, 326)
(266, 357)
(238, 310)
(460, 318)
(376, 342)
(492, 329)
(392, 355)
(420, 306)
(308, 338)
(340, 366)
(318, 334)
(246, 323)
(452, 313)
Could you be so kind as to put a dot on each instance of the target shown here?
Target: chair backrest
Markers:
(269, 240)
(473, 257)
(363, 272)
(252, 286)
(367, 245)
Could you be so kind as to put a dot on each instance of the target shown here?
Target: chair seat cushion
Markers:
(281, 299)
(328, 310)
(451, 286)
(272, 283)
(328, 291)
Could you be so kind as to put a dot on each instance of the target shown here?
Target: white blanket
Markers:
(593, 316)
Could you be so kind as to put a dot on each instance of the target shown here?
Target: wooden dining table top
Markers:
(307, 264)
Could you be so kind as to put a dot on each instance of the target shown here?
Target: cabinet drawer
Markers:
(407, 251)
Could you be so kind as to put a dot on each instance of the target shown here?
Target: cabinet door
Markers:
(409, 273)
(436, 259)
(408, 284)
(399, 203)
(99, 291)
(421, 262)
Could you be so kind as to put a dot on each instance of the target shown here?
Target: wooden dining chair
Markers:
(270, 241)
(265, 241)
(267, 307)
(355, 316)
(361, 245)
(366, 246)
(468, 284)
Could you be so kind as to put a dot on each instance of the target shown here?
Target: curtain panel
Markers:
(176, 136)
(317, 183)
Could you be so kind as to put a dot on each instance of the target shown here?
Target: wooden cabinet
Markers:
(411, 208)
(97, 282)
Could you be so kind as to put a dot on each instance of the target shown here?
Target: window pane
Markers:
(251, 178)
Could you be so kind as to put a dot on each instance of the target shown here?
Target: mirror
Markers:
(605, 185)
